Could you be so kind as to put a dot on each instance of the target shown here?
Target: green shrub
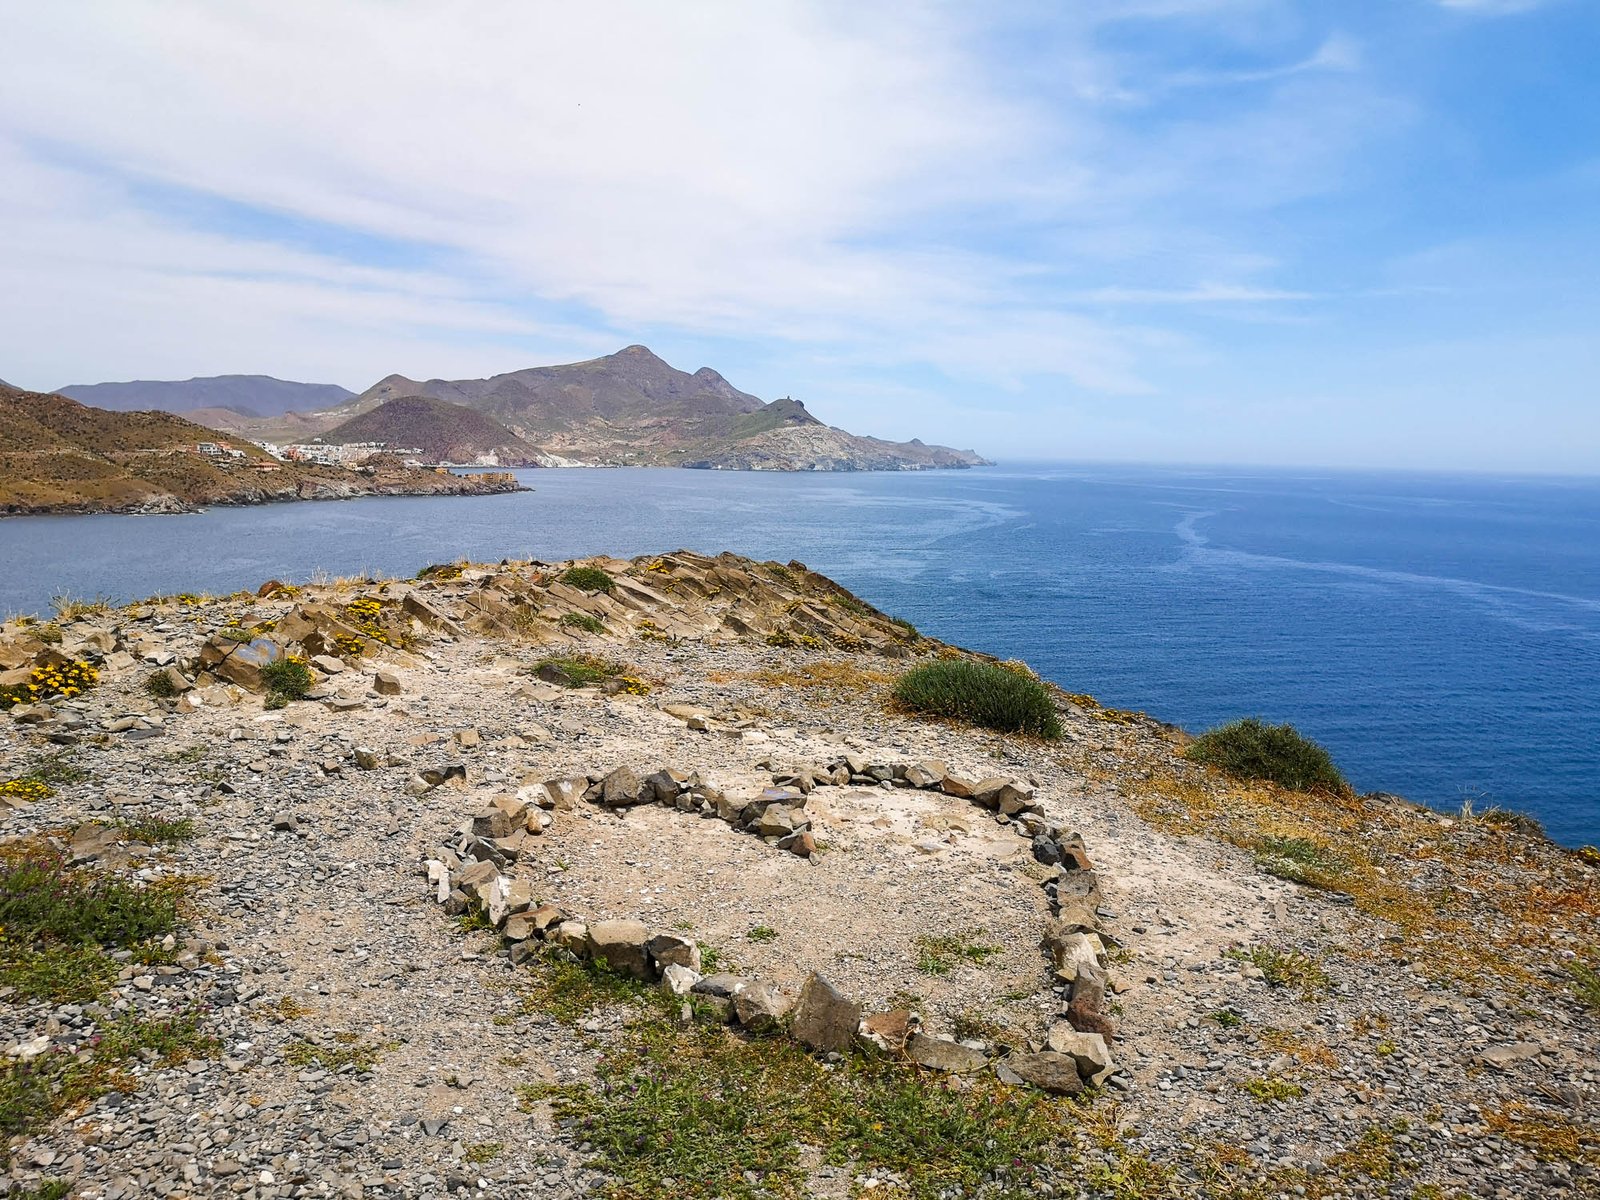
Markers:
(441, 572)
(1253, 749)
(979, 694)
(43, 900)
(588, 579)
(583, 621)
(578, 670)
(32, 1092)
(159, 684)
(288, 677)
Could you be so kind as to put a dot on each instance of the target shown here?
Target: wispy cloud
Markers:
(1019, 208)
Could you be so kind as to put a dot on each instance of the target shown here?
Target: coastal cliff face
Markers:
(59, 456)
(629, 877)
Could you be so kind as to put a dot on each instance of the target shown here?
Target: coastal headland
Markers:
(644, 878)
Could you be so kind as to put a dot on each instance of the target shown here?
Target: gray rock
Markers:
(824, 1019)
(678, 980)
(668, 949)
(620, 789)
(758, 1008)
(1048, 1071)
(1088, 1050)
(942, 1054)
(722, 985)
(621, 946)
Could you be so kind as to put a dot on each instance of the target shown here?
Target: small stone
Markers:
(942, 1054)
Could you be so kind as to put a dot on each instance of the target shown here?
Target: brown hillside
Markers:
(57, 455)
(444, 432)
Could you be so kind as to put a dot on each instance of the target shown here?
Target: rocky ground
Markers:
(1417, 1025)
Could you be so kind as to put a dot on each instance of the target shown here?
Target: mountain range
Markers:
(630, 408)
(247, 395)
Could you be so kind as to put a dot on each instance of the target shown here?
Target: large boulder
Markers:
(1048, 1071)
(824, 1018)
(620, 945)
(758, 1008)
(240, 662)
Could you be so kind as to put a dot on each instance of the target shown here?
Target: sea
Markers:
(1440, 634)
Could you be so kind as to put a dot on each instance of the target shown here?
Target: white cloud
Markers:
(784, 172)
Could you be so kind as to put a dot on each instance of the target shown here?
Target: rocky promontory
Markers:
(632, 878)
(60, 456)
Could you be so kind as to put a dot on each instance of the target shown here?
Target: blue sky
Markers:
(1236, 231)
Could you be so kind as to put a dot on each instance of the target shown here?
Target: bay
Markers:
(1440, 634)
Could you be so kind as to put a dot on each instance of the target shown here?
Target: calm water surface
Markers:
(1440, 635)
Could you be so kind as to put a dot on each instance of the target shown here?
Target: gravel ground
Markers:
(314, 895)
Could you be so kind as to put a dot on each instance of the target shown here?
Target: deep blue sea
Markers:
(1440, 634)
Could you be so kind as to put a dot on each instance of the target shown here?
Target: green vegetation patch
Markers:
(587, 579)
(1252, 749)
(568, 990)
(159, 831)
(939, 954)
(289, 678)
(583, 621)
(346, 1052)
(33, 1092)
(1299, 860)
(979, 694)
(696, 1111)
(57, 922)
(1265, 1091)
(159, 684)
(441, 572)
(1585, 983)
(581, 670)
(1285, 968)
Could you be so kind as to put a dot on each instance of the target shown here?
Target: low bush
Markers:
(1281, 754)
(159, 684)
(441, 572)
(588, 579)
(583, 621)
(289, 678)
(47, 682)
(44, 900)
(33, 1091)
(979, 694)
(577, 670)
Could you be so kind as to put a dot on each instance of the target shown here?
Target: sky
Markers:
(1276, 232)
